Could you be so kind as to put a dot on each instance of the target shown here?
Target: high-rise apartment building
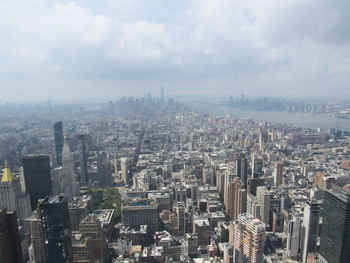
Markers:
(10, 243)
(58, 136)
(236, 199)
(335, 234)
(12, 197)
(37, 177)
(249, 239)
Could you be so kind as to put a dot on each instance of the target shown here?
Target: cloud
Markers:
(29, 53)
(58, 23)
(55, 67)
(142, 39)
(207, 46)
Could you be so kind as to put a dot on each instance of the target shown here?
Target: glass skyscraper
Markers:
(58, 135)
(54, 215)
(37, 177)
(335, 234)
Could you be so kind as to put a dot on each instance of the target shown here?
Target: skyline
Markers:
(60, 50)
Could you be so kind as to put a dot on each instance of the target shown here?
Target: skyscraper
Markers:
(83, 159)
(58, 136)
(242, 168)
(162, 93)
(311, 224)
(235, 199)
(10, 243)
(104, 171)
(67, 164)
(50, 231)
(37, 177)
(278, 174)
(12, 197)
(249, 239)
(125, 166)
(335, 234)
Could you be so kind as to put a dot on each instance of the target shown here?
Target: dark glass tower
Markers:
(242, 169)
(335, 233)
(82, 159)
(37, 177)
(10, 243)
(104, 171)
(58, 135)
(54, 215)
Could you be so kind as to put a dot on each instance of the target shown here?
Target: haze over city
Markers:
(198, 131)
(63, 50)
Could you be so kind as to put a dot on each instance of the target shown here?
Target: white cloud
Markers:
(55, 67)
(29, 53)
(142, 39)
(61, 22)
(274, 43)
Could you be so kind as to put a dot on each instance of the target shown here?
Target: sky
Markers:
(88, 49)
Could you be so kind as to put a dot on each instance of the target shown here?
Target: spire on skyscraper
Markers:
(7, 175)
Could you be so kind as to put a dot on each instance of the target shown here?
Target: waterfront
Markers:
(305, 120)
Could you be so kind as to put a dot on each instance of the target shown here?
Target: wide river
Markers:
(305, 120)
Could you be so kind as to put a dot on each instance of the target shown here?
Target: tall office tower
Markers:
(253, 166)
(162, 93)
(278, 174)
(104, 171)
(67, 165)
(60, 183)
(249, 239)
(294, 237)
(125, 166)
(220, 184)
(181, 224)
(36, 250)
(311, 225)
(37, 177)
(236, 199)
(50, 231)
(83, 159)
(238, 166)
(335, 234)
(244, 170)
(135, 214)
(12, 197)
(49, 106)
(10, 242)
(58, 136)
(90, 227)
(257, 166)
